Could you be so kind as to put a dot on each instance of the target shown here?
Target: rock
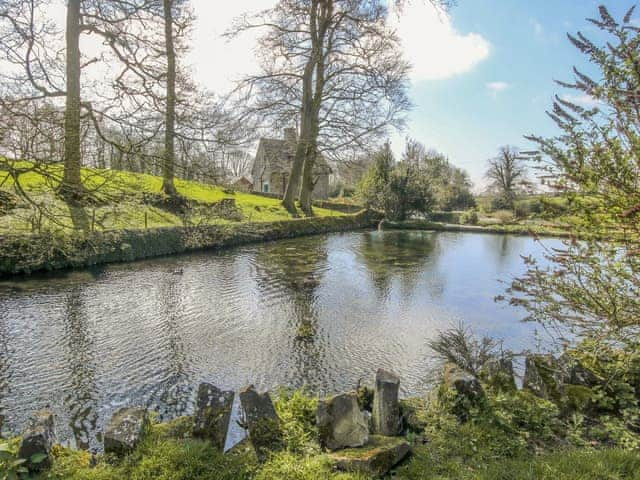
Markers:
(261, 420)
(213, 413)
(386, 409)
(575, 373)
(376, 458)
(341, 423)
(498, 374)
(37, 440)
(463, 382)
(545, 376)
(125, 430)
(467, 388)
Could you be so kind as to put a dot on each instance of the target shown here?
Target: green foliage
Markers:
(288, 466)
(11, 466)
(158, 457)
(297, 412)
(469, 217)
(591, 287)
(450, 185)
(459, 346)
(400, 190)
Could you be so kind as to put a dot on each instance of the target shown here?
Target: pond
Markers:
(320, 311)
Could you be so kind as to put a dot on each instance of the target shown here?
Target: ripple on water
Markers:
(323, 311)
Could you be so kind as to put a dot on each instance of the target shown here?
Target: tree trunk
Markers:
(307, 184)
(168, 164)
(71, 187)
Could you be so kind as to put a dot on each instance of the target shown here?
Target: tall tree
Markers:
(507, 174)
(72, 182)
(334, 67)
(169, 158)
(33, 49)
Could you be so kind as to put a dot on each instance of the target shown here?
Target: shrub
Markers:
(527, 207)
(469, 217)
(504, 216)
(297, 412)
(459, 346)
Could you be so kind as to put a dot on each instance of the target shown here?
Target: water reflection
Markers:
(402, 255)
(320, 311)
(298, 267)
(81, 394)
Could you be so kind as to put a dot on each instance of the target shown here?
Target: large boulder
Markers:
(261, 420)
(386, 408)
(341, 423)
(125, 430)
(37, 440)
(497, 373)
(545, 376)
(376, 458)
(466, 388)
(213, 413)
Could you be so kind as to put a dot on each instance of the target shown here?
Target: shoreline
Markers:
(519, 230)
(26, 254)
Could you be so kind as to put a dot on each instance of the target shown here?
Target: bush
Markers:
(504, 216)
(469, 218)
(400, 190)
(527, 207)
(501, 202)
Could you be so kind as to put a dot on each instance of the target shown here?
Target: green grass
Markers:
(609, 464)
(493, 446)
(119, 203)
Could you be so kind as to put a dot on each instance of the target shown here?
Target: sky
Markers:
(483, 74)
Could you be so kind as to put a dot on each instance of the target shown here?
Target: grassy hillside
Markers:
(122, 200)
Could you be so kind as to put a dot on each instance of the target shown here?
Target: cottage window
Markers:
(265, 187)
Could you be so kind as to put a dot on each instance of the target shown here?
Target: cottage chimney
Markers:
(291, 136)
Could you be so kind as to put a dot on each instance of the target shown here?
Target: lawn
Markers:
(122, 200)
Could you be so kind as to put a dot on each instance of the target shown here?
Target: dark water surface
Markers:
(319, 311)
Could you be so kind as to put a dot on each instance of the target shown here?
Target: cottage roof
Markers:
(279, 155)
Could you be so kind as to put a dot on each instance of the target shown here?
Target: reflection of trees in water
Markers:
(4, 362)
(504, 247)
(82, 396)
(401, 255)
(173, 394)
(295, 268)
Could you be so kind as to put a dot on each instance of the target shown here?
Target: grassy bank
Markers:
(516, 438)
(21, 254)
(124, 200)
(125, 218)
(513, 229)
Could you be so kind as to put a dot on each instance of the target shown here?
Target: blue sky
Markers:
(483, 74)
(466, 119)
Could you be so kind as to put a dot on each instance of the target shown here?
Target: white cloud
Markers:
(216, 61)
(497, 87)
(434, 47)
(583, 100)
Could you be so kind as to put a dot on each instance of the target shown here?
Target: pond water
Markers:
(320, 311)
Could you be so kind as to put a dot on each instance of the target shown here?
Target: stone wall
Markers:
(30, 253)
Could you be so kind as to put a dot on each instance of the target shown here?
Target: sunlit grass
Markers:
(119, 202)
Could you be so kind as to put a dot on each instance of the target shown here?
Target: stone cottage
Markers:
(273, 162)
(241, 183)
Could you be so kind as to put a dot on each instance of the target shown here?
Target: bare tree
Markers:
(334, 67)
(507, 173)
(40, 67)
